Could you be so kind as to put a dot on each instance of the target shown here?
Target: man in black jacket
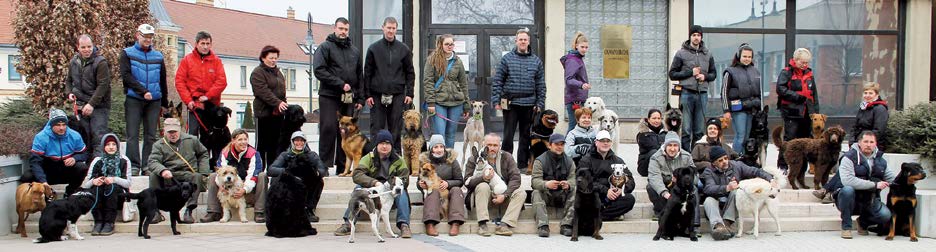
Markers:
(721, 182)
(338, 67)
(388, 81)
(88, 87)
(694, 67)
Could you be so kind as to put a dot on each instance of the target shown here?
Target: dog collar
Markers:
(476, 117)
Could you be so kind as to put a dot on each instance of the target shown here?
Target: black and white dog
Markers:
(171, 198)
(376, 202)
(587, 219)
(286, 200)
(63, 214)
(674, 222)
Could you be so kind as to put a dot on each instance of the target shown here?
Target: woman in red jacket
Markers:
(797, 98)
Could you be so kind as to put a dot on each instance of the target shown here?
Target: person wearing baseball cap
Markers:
(694, 67)
(381, 166)
(181, 157)
(298, 147)
(143, 73)
(721, 182)
(554, 186)
(603, 163)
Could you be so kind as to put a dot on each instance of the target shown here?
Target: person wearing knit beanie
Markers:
(716, 152)
(695, 29)
(436, 139)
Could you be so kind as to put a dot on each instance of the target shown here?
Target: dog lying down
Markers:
(755, 195)
(63, 214)
(376, 202)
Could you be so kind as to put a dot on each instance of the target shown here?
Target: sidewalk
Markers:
(806, 241)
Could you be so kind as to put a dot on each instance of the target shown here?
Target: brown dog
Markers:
(818, 124)
(30, 198)
(228, 183)
(725, 122)
(539, 135)
(428, 174)
(352, 142)
(412, 140)
(823, 153)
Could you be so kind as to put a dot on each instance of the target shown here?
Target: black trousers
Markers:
(110, 199)
(268, 138)
(388, 117)
(618, 207)
(518, 118)
(57, 173)
(794, 128)
(315, 193)
(329, 139)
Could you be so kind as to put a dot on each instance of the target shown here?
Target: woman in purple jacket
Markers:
(576, 79)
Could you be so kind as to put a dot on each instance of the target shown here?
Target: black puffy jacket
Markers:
(649, 142)
(873, 116)
(337, 62)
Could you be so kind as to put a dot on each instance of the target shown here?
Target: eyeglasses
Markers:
(449, 44)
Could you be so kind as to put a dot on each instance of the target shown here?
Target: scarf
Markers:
(110, 162)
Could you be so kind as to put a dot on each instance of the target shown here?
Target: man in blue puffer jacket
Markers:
(144, 78)
(58, 155)
(520, 83)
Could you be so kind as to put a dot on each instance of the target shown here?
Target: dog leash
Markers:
(426, 122)
(75, 109)
(200, 123)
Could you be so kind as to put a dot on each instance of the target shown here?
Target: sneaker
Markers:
(565, 230)
(210, 217)
(405, 231)
(503, 230)
(483, 230)
(343, 230)
(862, 231)
(721, 232)
(259, 217)
(107, 229)
(828, 199)
(543, 231)
(820, 194)
(97, 228)
(187, 217)
(159, 218)
(846, 234)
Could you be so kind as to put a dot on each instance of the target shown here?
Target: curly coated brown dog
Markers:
(412, 140)
(823, 153)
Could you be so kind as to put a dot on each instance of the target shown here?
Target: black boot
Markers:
(97, 228)
(312, 217)
(108, 229)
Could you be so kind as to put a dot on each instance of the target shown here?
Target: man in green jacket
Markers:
(379, 167)
(554, 185)
(181, 157)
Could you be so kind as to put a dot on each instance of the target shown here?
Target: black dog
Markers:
(902, 201)
(171, 198)
(61, 214)
(673, 222)
(757, 140)
(212, 129)
(286, 199)
(587, 219)
(293, 118)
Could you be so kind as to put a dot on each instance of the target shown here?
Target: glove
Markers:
(581, 149)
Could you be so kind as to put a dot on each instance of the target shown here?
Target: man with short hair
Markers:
(181, 157)
(200, 80)
(380, 167)
(660, 171)
(58, 155)
(143, 72)
(520, 91)
(720, 184)
(389, 78)
(88, 87)
(553, 185)
(338, 68)
(862, 174)
(694, 67)
(505, 167)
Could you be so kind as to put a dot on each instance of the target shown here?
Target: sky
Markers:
(323, 11)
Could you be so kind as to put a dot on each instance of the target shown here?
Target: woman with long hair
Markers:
(446, 86)
(576, 78)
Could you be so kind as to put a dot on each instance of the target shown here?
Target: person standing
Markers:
(388, 81)
(741, 94)
(88, 87)
(269, 89)
(200, 80)
(576, 78)
(872, 115)
(797, 99)
(446, 86)
(338, 68)
(520, 91)
(143, 72)
(694, 67)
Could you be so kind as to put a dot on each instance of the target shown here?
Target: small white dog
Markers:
(596, 105)
(609, 122)
(482, 168)
(376, 202)
(474, 128)
(756, 194)
(228, 183)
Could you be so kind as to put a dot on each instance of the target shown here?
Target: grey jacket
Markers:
(688, 58)
(662, 166)
(846, 171)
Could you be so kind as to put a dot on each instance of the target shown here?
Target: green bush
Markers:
(19, 125)
(913, 130)
(248, 123)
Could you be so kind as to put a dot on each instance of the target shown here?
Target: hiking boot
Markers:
(454, 229)
(210, 217)
(565, 230)
(312, 217)
(431, 230)
(187, 217)
(543, 231)
(343, 230)
(503, 230)
(159, 218)
(820, 194)
(862, 231)
(483, 230)
(97, 228)
(107, 229)
(405, 231)
(259, 217)
(721, 232)
(846, 234)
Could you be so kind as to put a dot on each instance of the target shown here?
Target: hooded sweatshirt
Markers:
(109, 165)
(575, 76)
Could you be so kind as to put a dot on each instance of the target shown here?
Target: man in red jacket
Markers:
(199, 79)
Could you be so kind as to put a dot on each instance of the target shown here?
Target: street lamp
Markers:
(309, 49)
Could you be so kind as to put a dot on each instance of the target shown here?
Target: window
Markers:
(372, 14)
(241, 110)
(11, 68)
(484, 12)
(180, 47)
(243, 77)
(292, 79)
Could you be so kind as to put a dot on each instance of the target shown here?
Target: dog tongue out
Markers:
(342, 131)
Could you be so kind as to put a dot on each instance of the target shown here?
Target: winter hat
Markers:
(109, 138)
(384, 136)
(695, 29)
(714, 121)
(57, 116)
(716, 152)
(299, 135)
(436, 139)
(671, 137)
(556, 138)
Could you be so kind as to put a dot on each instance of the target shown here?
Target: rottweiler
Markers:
(674, 222)
(543, 125)
(902, 201)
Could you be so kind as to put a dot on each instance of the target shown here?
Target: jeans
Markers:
(693, 109)
(570, 113)
(869, 213)
(137, 112)
(401, 203)
(446, 128)
(741, 122)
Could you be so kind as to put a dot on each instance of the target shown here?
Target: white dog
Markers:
(756, 194)
(474, 128)
(596, 105)
(608, 121)
(376, 202)
(228, 183)
(482, 168)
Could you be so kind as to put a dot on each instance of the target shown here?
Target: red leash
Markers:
(200, 123)
(426, 122)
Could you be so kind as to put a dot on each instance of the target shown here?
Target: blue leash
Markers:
(97, 190)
